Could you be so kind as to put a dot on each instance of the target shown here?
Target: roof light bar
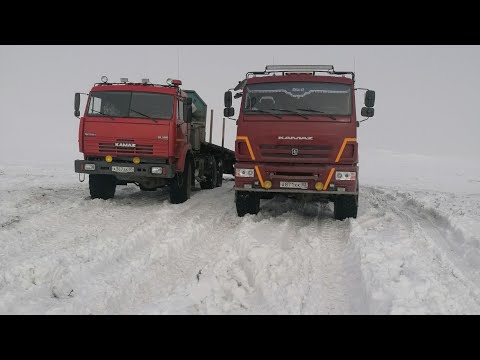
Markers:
(300, 68)
(123, 80)
(145, 81)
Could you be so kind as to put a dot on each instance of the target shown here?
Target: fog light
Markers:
(244, 172)
(108, 158)
(267, 184)
(345, 175)
(136, 160)
(89, 167)
(318, 186)
(157, 170)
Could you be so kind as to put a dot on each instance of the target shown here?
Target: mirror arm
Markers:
(358, 122)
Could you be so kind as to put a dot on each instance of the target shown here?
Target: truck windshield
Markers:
(129, 104)
(306, 98)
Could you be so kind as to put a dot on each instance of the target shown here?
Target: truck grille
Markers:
(302, 151)
(139, 149)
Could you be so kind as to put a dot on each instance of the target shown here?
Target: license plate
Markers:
(294, 185)
(123, 169)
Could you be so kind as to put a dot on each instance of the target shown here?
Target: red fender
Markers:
(183, 151)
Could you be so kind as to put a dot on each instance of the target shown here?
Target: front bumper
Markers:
(140, 170)
(297, 191)
(311, 175)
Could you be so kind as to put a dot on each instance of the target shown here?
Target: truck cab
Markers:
(297, 135)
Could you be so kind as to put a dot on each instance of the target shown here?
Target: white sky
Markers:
(426, 96)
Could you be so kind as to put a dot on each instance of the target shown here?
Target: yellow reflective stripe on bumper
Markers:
(325, 187)
(259, 175)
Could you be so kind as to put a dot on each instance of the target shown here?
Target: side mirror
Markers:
(369, 98)
(77, 105)
(228, 99)
(228, 112)
(188, 114)
(238, 95)
(368, 111)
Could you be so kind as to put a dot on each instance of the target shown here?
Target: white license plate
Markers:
(123, 169)
(294, 185)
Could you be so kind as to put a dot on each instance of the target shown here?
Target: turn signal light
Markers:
(318, 186)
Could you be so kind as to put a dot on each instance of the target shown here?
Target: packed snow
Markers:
(414, 248)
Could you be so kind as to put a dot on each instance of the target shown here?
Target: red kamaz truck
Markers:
(148, 134)
(297, 134)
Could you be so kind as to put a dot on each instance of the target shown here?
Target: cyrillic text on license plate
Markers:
(123, 169)
(294, 185)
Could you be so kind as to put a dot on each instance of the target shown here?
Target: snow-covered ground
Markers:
(414, 248)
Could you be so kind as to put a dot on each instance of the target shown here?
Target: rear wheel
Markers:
(219, 173)
(102, 186)
(181, 187)
(345, 206)
(211, 176)
(247, 203)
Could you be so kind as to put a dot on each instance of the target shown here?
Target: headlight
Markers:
(89, 167)
(157, 170)
(345, 175)
(244, 172)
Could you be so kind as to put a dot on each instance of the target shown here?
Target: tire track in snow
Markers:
(291, 258)
(139, 254)
(404, 263)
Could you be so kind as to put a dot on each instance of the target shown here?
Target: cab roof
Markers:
(136, 87)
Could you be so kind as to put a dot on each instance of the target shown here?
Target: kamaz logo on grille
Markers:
(310, 138)
(294, 151)
(125, 145)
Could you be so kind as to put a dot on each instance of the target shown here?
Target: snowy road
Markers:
(60, 252)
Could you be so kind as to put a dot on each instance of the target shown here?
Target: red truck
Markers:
(297, 135)
(148, 134)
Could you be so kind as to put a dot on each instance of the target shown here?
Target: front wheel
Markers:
(345, 206)
(102, 186)
(247, 203)
(181, 187)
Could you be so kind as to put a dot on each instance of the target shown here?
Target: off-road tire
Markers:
(247, 203)
(211, 177)
(181, 187)
(102, 186)
(345, 206)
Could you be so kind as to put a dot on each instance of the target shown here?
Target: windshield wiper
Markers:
(139, 113)
(293, 112)
(319, 112)
(266, 112)
(101, 113)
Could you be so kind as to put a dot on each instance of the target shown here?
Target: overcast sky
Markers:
(426, 96)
